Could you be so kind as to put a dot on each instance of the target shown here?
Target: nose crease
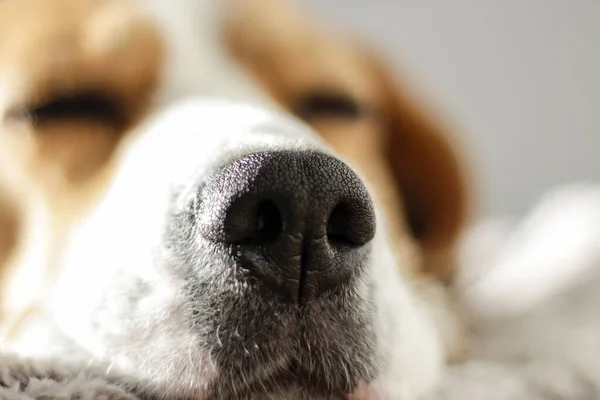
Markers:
(290, 216)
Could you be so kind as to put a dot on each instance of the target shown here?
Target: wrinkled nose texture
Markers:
(299, 221)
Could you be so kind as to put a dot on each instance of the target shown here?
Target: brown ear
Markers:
(430, 174)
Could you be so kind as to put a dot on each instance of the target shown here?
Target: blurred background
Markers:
(518, 77)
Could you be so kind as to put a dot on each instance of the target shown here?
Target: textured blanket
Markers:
(22, 379)
(25, 379)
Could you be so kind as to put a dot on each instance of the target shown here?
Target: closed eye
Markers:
(327, 105)
(90, 106)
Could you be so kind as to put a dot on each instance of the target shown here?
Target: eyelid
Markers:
(91, 105)
(328, 104)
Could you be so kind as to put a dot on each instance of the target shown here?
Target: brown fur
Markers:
(408, 157)
(10, 226)
(63, 49)
(57, 51)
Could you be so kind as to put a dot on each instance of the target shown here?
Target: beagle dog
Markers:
(225, 200)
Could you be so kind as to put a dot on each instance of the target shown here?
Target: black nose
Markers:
(300, 221)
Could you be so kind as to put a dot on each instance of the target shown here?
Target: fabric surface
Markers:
(26, 379)
(491, 380)
(22, 379)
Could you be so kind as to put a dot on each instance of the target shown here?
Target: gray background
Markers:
(520, 78)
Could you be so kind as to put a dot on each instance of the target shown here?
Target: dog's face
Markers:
(219, 249)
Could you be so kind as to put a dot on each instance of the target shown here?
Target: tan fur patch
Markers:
(61, 51)
(75, 76)
(10, 226)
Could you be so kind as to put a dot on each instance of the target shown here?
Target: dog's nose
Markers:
(299, 221)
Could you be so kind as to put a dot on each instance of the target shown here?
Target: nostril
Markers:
(254, 225)
(269, 223)
(337, 226)
(349, 226)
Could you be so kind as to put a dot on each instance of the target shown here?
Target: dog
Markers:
(224, 199)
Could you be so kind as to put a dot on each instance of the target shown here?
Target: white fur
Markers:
(197, 63)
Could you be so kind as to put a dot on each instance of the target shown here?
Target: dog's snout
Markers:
(299, 221)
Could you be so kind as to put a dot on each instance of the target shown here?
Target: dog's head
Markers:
(221, 249)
